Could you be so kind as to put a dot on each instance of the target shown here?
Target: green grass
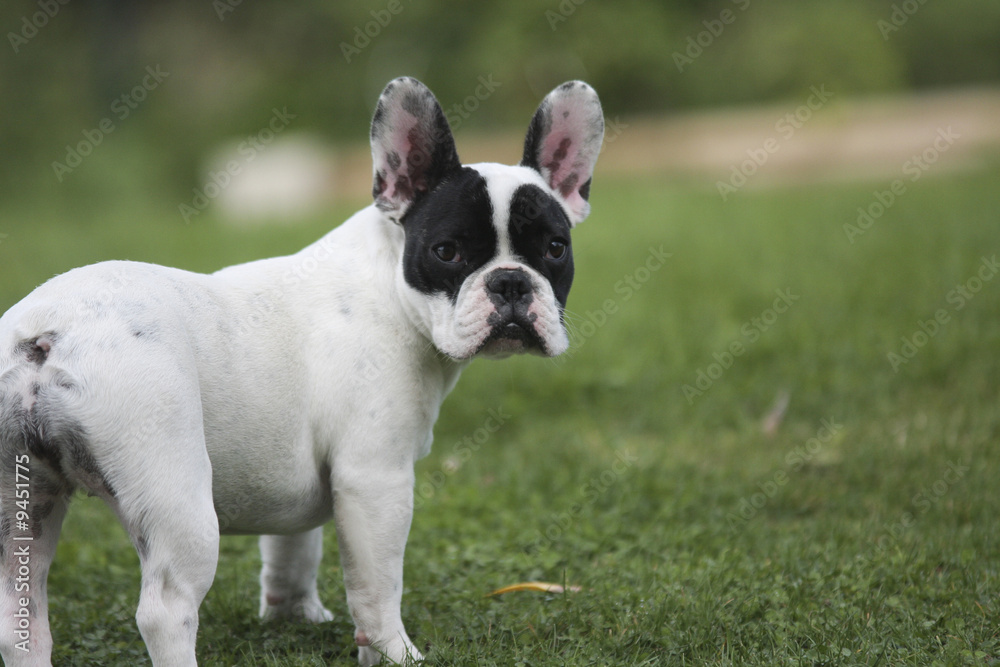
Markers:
(696, 538)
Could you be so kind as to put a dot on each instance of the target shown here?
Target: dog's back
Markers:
(58, 351)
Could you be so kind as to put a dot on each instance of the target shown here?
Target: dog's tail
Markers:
(25, 424)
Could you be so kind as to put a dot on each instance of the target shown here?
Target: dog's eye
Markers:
(447, 252)
(556, 250)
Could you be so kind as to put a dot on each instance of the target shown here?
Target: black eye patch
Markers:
(457, 212)
(536, 221)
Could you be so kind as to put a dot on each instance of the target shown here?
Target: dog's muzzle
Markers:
(512, 325)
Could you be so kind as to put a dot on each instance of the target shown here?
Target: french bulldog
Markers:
(272, 396)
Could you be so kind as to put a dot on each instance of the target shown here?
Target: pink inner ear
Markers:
(564, 170)
(394, 160)
(403, 125)
(559, 160)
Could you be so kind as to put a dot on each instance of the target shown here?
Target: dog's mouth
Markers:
(514, 335)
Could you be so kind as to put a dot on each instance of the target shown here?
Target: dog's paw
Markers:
(317, 613)
(398, 652)
(310, 610)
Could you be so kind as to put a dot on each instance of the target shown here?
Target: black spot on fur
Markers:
(59, 452)
(414, 103)
(37, 349)
(37, 355)
(41, 448)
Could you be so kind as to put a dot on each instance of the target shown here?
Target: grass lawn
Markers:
(863, 528)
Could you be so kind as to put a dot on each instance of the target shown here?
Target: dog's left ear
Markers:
(412, 146)
(563, 141)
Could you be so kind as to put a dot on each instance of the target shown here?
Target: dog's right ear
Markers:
(412, 146)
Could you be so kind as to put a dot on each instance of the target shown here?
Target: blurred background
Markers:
(224, 68)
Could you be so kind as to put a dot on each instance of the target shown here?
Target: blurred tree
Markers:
(231, 62)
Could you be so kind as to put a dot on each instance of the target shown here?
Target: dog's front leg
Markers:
(372, 508)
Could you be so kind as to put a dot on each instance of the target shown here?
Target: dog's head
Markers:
(487, 262)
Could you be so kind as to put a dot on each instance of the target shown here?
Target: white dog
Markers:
(271, 396)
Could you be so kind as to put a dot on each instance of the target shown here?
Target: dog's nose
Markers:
(512, 285)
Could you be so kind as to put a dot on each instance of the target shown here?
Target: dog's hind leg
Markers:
(171, 519)
(157, 467)
(32, 507)
(178, 550)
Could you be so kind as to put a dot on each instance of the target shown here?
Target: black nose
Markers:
(510, 285)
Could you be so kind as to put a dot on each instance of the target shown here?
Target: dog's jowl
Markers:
(270, 397)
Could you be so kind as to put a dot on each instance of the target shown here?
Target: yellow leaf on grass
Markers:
(539, 586)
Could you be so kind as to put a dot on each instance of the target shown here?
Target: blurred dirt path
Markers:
(835, 139)
(821, 137)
